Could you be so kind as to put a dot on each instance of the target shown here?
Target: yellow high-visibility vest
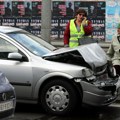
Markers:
(74, 34)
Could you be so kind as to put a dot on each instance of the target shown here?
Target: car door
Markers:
(19, 73)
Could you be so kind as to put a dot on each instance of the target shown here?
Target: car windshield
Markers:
(33, 43)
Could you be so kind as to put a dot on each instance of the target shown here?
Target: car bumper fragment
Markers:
(98, 94)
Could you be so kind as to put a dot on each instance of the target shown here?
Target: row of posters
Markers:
(20, 8)
(26, 14)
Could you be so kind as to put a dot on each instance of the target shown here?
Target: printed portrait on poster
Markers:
(2, 6)
(18, 8)
(28, 8)
(70, 9)
(8, 8)
(36, 7)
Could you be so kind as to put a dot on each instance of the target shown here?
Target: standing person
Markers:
(114, 51)
(77, 28)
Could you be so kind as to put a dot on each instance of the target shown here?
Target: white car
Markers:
(59, 79)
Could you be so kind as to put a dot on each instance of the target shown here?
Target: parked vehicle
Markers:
(58, 79)
(7, 98)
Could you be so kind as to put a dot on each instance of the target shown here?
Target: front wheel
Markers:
(58, 97)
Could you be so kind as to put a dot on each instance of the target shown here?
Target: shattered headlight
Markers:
(87, 72)
(86, 75)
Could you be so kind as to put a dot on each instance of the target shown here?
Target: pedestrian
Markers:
(114, 51)
(77, 28)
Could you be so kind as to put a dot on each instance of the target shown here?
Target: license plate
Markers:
(6, 106)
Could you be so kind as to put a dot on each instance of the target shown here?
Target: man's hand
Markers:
(85, 22)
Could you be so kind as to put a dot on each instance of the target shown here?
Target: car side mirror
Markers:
(15, 56)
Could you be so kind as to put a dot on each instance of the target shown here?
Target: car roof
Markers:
(8, 29)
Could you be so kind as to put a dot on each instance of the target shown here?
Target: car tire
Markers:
(58, 97)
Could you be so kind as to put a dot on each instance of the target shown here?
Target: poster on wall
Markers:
(18, 8)
(7, 8)
(58, 19)
(2, 8)
(25, 14)
(28, 8)
(66, 9)
(6, 18)
(36, 7)
(35, 22)
(112, 18)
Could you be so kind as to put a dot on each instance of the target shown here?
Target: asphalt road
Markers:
(33, 112)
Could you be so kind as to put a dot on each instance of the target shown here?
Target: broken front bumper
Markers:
(101, 93)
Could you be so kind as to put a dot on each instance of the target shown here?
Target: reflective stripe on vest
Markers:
(74, 34)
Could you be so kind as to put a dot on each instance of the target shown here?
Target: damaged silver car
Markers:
(57, 79)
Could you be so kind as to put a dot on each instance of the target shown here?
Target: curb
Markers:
(59, 44)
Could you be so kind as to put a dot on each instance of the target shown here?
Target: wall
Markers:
(104, 14)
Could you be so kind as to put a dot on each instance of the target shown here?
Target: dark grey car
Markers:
(7, 98)
(59, 79)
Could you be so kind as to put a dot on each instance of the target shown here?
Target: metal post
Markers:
(46, 20)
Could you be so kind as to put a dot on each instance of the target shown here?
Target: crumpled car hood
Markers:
(92, 54)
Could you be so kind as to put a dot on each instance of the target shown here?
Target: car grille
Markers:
(6, 114)
(7, 95)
